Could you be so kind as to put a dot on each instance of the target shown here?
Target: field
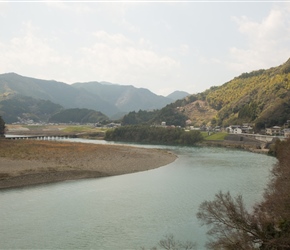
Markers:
(219, 136)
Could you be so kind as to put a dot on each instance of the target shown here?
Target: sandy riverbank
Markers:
(29, 162)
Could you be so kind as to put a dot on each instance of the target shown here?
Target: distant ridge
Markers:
(56, 92)
(125, 97)
(113, 100)
(178, 95)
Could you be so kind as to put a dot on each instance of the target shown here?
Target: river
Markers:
(134, 210)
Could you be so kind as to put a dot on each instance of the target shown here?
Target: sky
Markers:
(163, 46)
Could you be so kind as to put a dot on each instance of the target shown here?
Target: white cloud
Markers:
(112, 39)
(267, 41)
(184, 49)
(111, 57)
(209, 61)
(3, 9)
(77, 7)
(29, 53)
(116, 58)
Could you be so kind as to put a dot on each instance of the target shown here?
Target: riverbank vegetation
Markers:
(154, 135)
(2, 127)
(267, 227)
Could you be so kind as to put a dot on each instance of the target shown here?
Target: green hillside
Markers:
(78, 116)
(20, 108)
(260, 97)
(12, 84)
(125, 97)
(112, 100)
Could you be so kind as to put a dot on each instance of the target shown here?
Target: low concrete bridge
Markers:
(38, 137)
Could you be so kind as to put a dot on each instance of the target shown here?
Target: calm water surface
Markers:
(133, 210)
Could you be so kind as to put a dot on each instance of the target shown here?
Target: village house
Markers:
(234, 129)
(247, 128)
(238, 129)
(287, 132)
(217, 129)
(274, 131)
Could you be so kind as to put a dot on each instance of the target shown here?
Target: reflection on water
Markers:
(130, 211)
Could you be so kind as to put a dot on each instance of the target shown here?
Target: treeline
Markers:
(168, 114)
(154, 135)
(267, 227)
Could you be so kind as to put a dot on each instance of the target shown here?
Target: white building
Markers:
(276, 130)
(234, 129)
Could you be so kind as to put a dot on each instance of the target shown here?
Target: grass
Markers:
(219, 136)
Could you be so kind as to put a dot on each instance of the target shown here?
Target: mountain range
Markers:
(261, 98)
(112, 100)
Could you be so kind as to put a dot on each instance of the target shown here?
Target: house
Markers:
(287, 132)
(247, 128)
(274, 131)
(238, 131)
(217, 129)
(234, 129)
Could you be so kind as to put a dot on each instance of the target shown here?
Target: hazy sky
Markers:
(162, 46)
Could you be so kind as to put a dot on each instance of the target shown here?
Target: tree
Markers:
(231, 224)
(213, 122)
(2, 127)
(169, 243)
(267, 227)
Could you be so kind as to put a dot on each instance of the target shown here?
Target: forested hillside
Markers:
(12, 84)
(20, 108)
(260, 97)
(78, 116)
(113, 100)
(169, 114)
(125, 98)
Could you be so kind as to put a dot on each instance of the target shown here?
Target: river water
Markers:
(134, 210)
